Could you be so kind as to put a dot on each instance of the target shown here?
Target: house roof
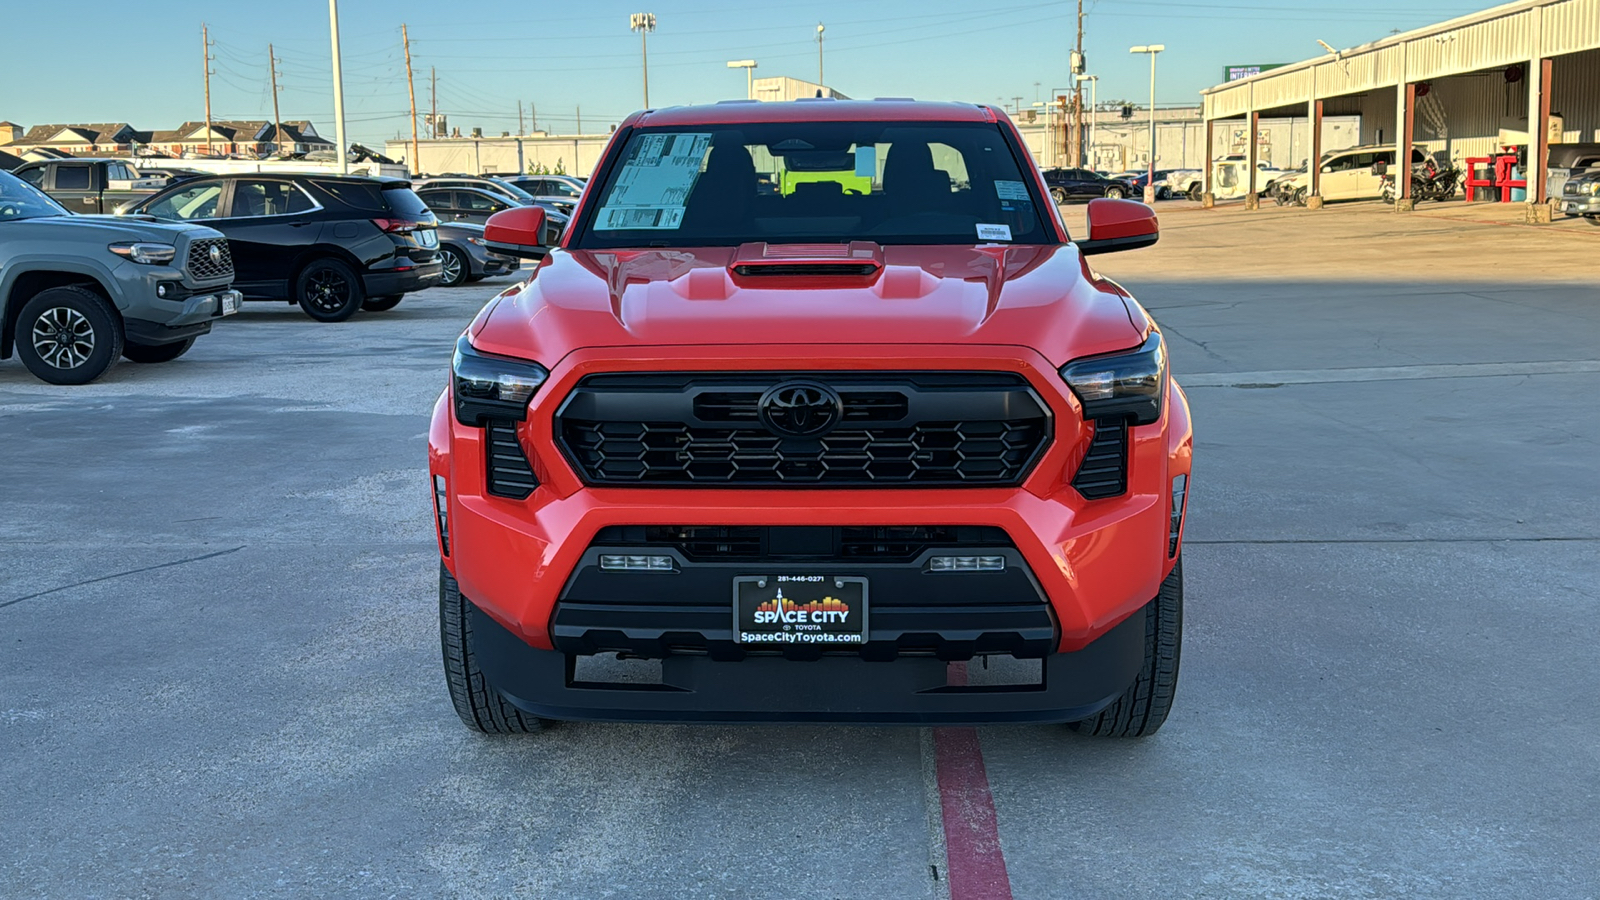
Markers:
(104, 132)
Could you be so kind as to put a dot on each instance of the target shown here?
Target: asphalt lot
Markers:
(219, 671)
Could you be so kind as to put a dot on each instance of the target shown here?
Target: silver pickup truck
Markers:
(78, 292)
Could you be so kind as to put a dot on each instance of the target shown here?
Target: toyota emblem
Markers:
(800, 409)
(216, 255)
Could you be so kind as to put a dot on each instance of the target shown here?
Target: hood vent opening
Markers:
(807, 269)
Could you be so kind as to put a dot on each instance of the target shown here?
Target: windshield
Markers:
(21, 200)
(816, 182)
(506, 187)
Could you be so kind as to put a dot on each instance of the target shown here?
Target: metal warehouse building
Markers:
(1525, 74)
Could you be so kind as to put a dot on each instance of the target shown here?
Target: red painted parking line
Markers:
(975, 863)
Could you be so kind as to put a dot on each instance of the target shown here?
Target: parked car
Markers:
(464, 256)
(77, 292)
(1580, 196)
(1228, 179)
(476, 205)
(1139, 179)
(1569, 161)
(1348, 174)
(89, 185)
(769, 446)
(1069, 185)
(334, 244)
(561, 191)
(495, 186)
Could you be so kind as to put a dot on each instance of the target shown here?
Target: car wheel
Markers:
(1113, 193)
(480, 706)
(1197, 192)
(456, 267)
(1300, 196)
(68, 335)
(329, 291)
(1059, 195)
(1593, 220)
(1142, 708)
(380, 304)
(156, 353)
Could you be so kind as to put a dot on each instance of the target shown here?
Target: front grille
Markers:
(894, 430)
(201, 265)
(727, 543)
(508, 472)
(1104, 472)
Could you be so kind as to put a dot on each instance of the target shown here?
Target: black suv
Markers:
(335, 244)
(1067, 185)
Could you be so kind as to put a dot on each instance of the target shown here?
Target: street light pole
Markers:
(1094, 109)
(819, 55)
(644, 23)
(1150, 182)
(749, 67)
(338, 88)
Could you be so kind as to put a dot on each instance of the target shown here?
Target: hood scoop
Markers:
(856, 260)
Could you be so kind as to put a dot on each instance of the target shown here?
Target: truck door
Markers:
(73, 186)
(119, 187)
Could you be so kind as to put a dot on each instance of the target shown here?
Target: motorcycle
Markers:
(1428, 183)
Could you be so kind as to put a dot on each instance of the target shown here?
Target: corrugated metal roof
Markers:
(1515, 32)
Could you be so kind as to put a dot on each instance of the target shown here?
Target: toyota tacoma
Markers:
(835, 454)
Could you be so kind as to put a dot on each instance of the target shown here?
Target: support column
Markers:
(1405, 123)
(1252, 200)
(1538, 168)
(1314, 164)
(1208, 199)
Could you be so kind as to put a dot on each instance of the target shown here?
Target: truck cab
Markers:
(89, 185)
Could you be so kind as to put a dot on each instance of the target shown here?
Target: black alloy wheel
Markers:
(382, 304)
(156, 353)
(329, 291)
(456, 267)
(68, 335)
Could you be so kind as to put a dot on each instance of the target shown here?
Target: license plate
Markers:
(799, 609)
(230, 304)
(427, 237)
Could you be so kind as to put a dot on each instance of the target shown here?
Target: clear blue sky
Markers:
(99, 60)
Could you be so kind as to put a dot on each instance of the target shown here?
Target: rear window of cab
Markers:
(817, 182)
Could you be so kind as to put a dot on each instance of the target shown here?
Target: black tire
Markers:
(382, 304)
(480, 706)
(456, 267)
(1059, 195)
(1197, 192)
(329, 291)
(1113, 193)
(1142, 708)
(1592, 220)
(156, 353)
(1300, 196)
(68, 335)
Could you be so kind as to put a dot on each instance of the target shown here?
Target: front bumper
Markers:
(1579, 204)
(187, 317)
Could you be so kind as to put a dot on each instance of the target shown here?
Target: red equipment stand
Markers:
(1501, 166)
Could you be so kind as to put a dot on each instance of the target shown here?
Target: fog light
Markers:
(636, 563)
(441, 509)
(1180, 487)
(967, 564)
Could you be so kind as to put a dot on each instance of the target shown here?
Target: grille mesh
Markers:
(201, 265)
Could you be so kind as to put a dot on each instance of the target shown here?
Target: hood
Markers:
(121, 227)
(1042, 297)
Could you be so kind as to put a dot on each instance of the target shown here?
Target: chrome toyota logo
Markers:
(216, 255)
(800, 409)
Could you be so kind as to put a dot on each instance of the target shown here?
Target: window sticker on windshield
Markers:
(994, 232)
(1011, 190)
(866, 162)
(654, 184)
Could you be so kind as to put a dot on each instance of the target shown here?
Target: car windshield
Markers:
(817, 182)
(21, 200)
(506, 187)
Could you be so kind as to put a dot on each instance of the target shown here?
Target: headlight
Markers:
(1121, 385)
(492, 387)
(1592, 187)
(149, 254)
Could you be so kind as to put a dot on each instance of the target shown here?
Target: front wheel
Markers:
(479, 705)
(68, 335)
(156, 353)
(1113, 193)
(1059, 195)
(329, 291)
(380, 304)
(1142, 708)
(1197, 192)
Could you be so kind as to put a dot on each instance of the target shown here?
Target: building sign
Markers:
(1234, 73)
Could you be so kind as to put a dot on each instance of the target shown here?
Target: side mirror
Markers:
(1116, 225)
(519, 232)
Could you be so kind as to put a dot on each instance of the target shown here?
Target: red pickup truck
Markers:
(814, 455)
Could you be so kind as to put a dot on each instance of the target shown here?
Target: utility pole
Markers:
(533, 118)
(580, 120)
(433, 92)
(205, 47)
(411, 91)
(338, 86)
(819, 55)
(520, 131)
(277, 123)
(1077, 95)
